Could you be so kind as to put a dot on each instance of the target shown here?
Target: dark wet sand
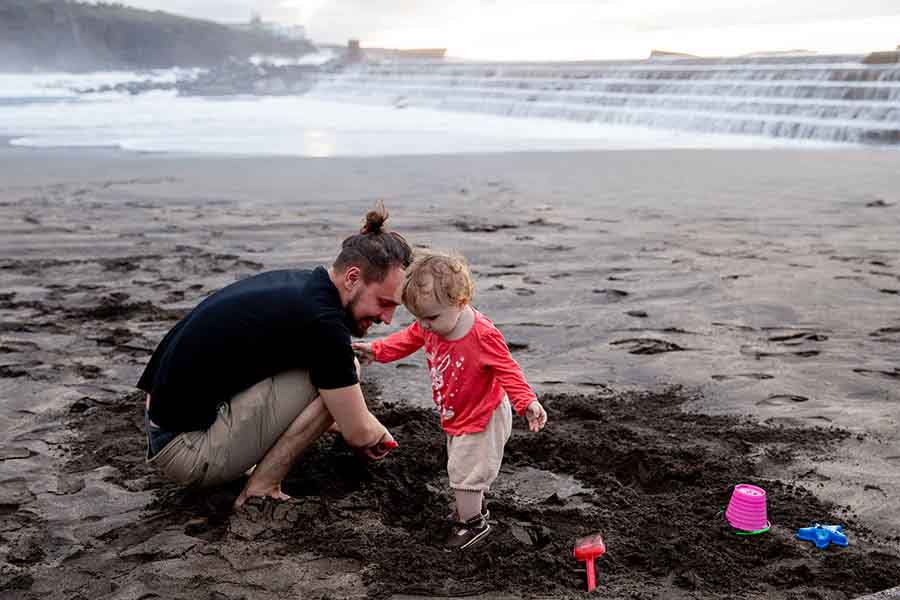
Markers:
(766, 283)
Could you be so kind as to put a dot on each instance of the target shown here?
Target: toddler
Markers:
(475, 382)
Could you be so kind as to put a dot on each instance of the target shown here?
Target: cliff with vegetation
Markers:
(72, 36)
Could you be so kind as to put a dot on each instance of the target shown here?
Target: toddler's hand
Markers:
(364, 352)
(536, 415)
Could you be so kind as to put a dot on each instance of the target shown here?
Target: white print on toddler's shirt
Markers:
(440, 385)
(437, 371)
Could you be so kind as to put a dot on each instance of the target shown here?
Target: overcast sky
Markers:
(575, 29)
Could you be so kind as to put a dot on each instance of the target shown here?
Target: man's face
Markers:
(375, 302)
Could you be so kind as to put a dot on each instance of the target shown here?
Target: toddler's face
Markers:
(439, 318)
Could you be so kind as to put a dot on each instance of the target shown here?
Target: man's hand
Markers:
(364, 352)
(381, 449)
(536, 415)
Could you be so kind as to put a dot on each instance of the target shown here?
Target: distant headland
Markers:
(72, 36)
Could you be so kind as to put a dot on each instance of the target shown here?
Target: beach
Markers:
(693, 319)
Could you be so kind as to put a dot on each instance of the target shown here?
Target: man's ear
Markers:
(352, 277)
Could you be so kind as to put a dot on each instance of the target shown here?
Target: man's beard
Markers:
(358, 327)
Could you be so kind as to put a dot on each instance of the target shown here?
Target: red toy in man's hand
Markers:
(382, 447)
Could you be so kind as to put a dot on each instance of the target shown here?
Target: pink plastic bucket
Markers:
(747, 508)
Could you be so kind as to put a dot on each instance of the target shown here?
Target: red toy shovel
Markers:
(587, 549)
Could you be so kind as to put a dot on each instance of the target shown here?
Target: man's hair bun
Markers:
(375, 219)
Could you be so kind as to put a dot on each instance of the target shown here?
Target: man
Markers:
(261, 369)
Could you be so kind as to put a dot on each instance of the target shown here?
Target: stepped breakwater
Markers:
(835, 98)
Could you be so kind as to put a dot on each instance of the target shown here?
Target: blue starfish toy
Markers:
(822, 535)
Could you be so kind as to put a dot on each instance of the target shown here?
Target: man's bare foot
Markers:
(272, 492)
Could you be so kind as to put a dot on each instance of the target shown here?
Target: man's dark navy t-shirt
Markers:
(242, 334)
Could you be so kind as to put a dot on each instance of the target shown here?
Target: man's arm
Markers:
(348, 407)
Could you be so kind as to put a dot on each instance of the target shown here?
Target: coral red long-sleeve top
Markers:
(469, 376)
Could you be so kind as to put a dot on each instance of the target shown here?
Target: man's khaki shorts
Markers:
(245, 429)
(473, 459)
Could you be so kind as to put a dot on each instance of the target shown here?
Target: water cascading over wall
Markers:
(825, 98)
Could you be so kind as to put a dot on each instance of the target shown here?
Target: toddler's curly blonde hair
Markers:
(440, 276)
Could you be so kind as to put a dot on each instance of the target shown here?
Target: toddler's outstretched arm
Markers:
(394, 347)
(364, 352)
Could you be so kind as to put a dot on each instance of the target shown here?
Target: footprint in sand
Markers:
(803, 336)
(14, 371)
(887, 334)
(885, 274)
(782, 400)
(542, 222)
(895, 374)
(758, 354)
(815, 475)
(15, 452)
(611, 295)
(647, 346)
(88, 371)
(733, 326)
(474, 227)
(757, 376)
(594, 385)
(13, 346)
(821, 418)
